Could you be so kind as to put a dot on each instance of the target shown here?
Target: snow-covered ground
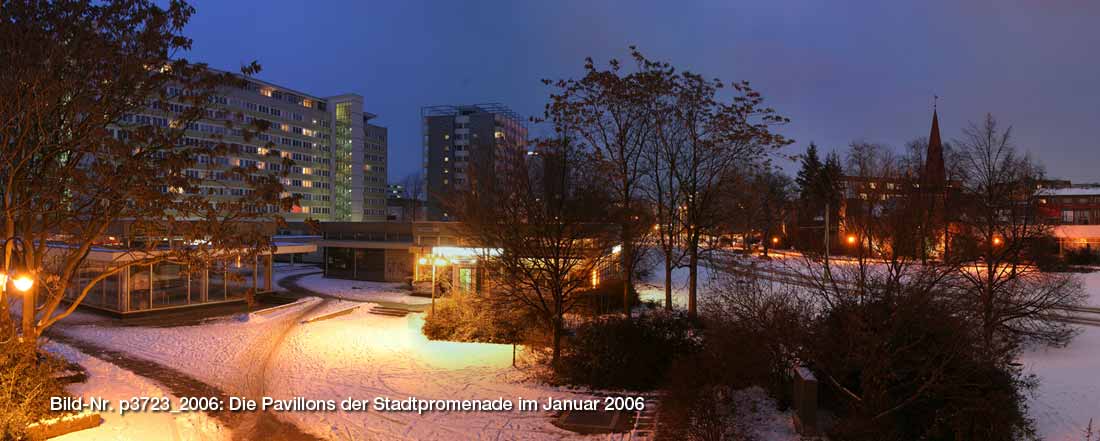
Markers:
(365, 356)
(1069, 387)
(359, 355)
(362, 291)
(108, 381)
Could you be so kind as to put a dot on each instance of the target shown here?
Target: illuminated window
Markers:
(266, 91)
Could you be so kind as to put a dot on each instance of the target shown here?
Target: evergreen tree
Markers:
(808, 175)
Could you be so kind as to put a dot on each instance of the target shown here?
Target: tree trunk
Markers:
(30, 334)
(668, 281)
(557, 342)
(693, 275)
(628, 268)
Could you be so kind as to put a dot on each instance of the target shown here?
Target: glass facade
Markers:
(169, 284)
(343, 161)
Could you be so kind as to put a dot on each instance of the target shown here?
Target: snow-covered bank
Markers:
(111, 382)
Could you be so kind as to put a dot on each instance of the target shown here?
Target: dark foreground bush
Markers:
(904, 367)
(607, 299)
(620, 353)
(26, 385)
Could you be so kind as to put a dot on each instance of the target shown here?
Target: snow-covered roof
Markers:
(1076, 231)
(1071, 191)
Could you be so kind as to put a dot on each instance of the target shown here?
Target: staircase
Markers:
(388, 311)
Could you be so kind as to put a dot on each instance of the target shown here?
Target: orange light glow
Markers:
(997, 241)
(851, 239)
(775, 240)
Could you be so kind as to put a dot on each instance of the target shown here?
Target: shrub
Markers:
(26, 385)
(619, 353)
(467, 318)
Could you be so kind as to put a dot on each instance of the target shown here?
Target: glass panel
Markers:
(216, 287)
(370, 265)
(261, 273)
(112, 294)
(240, 278)
(197, 277)
(339, 263)
(169, 284)
(139, 287)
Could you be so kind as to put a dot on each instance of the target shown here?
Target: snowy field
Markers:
(113, 383)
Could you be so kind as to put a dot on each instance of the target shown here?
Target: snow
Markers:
(1091, 282)
(361, 290)
(360, 356)
(111, 382)
(1069, 388)
(364, 356)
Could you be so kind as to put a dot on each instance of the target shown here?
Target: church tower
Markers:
(935, 177)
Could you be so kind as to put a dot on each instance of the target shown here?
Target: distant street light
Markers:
(851, 239)
(997, 241)
(775, 240)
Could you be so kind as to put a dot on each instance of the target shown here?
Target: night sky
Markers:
(842, 71)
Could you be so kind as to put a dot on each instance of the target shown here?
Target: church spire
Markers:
(934, 174)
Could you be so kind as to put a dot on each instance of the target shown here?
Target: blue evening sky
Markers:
(841, 70)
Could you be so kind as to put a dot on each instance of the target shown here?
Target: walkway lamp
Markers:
(437, 261)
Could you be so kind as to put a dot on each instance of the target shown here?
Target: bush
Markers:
(620, 353)
(606, 299)
(905, 366)
(26, 385)
(468, 318)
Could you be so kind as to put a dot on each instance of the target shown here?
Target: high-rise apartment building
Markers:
(461, 139)
(339, 170)
(375, 163)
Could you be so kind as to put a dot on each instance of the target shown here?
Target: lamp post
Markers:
(435, 261)
(22, 282)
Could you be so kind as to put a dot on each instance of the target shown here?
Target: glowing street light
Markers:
(775, 240)
(997, 241)
(23, 282)
(851, 239)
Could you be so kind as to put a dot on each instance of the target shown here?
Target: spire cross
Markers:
(935, 100)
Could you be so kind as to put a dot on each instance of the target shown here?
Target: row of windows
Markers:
(285, 96)
(313, 197)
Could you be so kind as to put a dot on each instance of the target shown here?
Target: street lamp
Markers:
(23, 282)
(436, 261)
(851, 239)
(997, 241)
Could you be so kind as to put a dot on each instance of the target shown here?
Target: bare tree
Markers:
(608, 112)
(542, 254)
(717, 138)
(661, 189)
(414, 195)
(94, 108)
(1004, 291)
